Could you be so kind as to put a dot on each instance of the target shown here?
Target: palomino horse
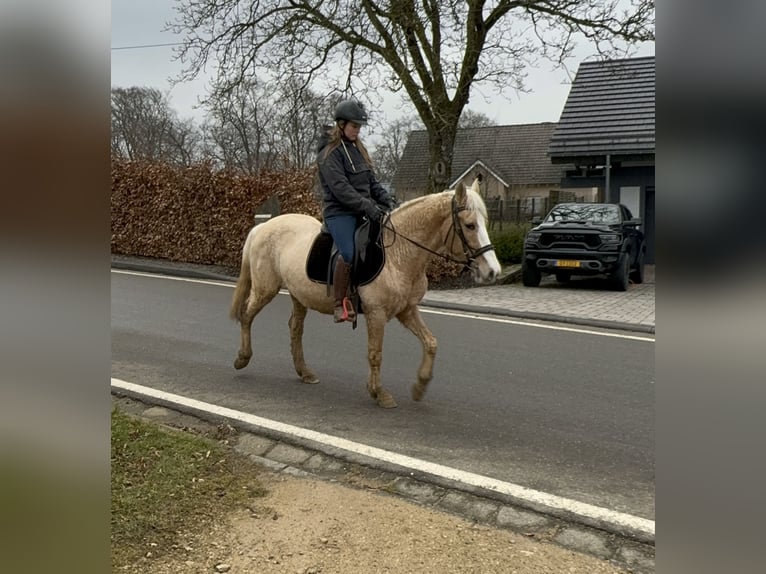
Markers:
(451, 223)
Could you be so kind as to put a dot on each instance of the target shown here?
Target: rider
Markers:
(350, 191)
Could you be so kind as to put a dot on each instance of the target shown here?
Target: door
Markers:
(648, 224)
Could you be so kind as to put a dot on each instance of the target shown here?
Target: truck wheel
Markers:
(637, 275)
(620, 277)
(530, 275)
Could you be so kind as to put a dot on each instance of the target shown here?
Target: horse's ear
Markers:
(476, 186)
(460, 193)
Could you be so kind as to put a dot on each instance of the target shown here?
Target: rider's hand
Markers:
(373, 211)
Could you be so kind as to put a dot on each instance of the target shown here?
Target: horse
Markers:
(451, 224)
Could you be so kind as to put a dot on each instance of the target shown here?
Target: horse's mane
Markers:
(474, 202)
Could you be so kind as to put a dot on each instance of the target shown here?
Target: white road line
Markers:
(538, 325)
(173, 277)
(537, 498)
(493, 319)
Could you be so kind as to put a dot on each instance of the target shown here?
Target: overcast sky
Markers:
(140, 23)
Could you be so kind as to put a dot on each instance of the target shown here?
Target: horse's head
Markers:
(471, 238)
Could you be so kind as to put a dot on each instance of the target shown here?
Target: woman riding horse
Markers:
(350, 191)
(451, 224)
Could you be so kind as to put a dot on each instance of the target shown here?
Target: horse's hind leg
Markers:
(258, 298)
(411, 319)
(296, 343)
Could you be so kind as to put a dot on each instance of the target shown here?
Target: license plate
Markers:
(567, 263)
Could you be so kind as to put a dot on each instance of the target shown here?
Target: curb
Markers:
(182, 271)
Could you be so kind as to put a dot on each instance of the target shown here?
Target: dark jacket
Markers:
(348, 183)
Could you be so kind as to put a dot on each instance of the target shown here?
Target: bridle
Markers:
(456, 230)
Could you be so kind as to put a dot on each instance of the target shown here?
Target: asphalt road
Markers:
(568, 412)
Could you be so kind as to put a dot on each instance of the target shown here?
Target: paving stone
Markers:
(585, 541)
(157, 413)
(270, 464)
(509, 517)
(637, 557)
(289, 454)
(419, 491)
(253, 444)
(325, 464)
(469, 506)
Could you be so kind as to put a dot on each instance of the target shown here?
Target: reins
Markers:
(455, 230)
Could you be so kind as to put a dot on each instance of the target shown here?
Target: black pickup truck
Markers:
(585, 239)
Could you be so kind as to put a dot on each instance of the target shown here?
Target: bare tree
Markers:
(388, 152)
(141, 118)
(144, 127)
(184, 143)
(301, 116)
(433, 50)
(263, 125)
(240, 127)
(472, 119)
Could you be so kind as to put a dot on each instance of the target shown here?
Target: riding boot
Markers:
(343, 309)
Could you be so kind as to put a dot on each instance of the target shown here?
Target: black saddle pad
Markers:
(368, 261)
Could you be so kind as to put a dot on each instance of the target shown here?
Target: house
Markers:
(510, 161)
(606, 131)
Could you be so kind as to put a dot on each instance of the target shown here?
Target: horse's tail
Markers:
(244, 283)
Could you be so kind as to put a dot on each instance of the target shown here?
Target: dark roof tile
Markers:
(610, 110)
(516, 153)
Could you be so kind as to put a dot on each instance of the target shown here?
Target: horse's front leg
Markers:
(295, 323)
(411, 319)
(376, 323)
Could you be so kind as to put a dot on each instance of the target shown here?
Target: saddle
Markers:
(369, 259)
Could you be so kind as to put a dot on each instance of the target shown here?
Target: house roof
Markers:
(516, 154)
(609, 110)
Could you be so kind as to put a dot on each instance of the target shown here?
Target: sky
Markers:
(141, 23)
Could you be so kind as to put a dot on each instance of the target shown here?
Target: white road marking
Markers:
(538, 498)
(538, 325)
(432, 311)
(174, 278)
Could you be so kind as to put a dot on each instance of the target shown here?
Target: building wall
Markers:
(489, 185)
(627, 182)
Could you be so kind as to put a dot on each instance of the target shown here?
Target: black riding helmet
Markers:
(350, 111)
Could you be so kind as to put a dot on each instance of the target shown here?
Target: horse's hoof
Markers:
(386, 400)
(310, 379)
(241, 362)
(418, 391)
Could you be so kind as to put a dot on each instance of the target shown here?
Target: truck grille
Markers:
(565, 239)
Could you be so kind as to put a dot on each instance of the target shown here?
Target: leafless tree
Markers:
(388, 152)
(184, 143)
(144, 127)
(240, 126)
(302, 116)
(472, 119)
(433, 50)
(261, 125)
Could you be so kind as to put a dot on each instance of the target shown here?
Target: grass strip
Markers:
(165, 482)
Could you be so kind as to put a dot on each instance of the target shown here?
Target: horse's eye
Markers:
(470, 226)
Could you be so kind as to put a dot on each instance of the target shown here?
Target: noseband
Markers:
(469, 253)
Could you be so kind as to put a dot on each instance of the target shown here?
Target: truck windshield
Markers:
(585, 213)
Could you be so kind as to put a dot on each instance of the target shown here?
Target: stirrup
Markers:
(344, 313)
(349, 313)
